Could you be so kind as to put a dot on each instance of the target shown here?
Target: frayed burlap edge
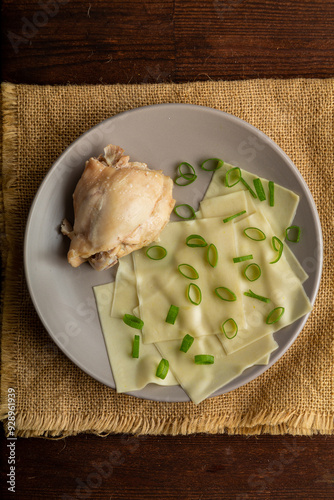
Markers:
(8, 201)
(57, 425)
(266, 422)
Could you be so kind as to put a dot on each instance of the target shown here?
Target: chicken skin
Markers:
(119, 206)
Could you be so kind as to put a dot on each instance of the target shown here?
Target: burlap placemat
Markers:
(53, 396)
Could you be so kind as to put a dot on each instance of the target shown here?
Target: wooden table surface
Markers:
(123, 41)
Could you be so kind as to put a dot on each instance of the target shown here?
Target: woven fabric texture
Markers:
(53, 396)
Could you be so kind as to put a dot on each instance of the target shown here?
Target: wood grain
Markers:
(137, 41)
(151, 41)
(185, 467)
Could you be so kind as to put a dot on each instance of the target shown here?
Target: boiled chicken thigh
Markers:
(119, 206)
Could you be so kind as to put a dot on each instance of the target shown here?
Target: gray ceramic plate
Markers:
(162, 136)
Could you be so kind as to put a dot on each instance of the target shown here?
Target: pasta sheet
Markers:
(133, 374)
(200, 381)
(280, 216)
(277, 282)
(129, 374)
(160, 284)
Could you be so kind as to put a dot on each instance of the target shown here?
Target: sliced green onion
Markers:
(187, 342)
(204, 359)
(133, 321)
(250, 268)
(189, 208)
(275, 240)
(196, 240)
(294, 229)
(135, 346)
(194, 290)
(234, 216)
(248, 187)
(192, 270)
(219, 164)
(230, 335)
(257, 230)
(162, 369)
(212, 255)
(255, 296)
(271, 186)
(231, 297)
(188, 176)
(230, 173)
(275, 315)
(242, 258)
(156, 252)
(259, 189)
(172, 314)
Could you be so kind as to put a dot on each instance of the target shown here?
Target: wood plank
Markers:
(152, 41)
(183, 467)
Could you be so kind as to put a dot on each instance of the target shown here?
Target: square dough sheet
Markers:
(226, 205)
(200, 381)
(217, 202)
(130, 374)
(133, 374)
(286, 201)
(277, 282)
(160, 284)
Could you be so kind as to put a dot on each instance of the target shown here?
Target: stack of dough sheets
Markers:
(147, 288)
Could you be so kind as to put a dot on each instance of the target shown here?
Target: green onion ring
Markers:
(198, 291)
(188, 176)
(297, 236)
(256, 276)
(162, 369)
(187, 342)
(197, 237)
(135, 346)
(172, 314)
(156, 249)
(204, 359)
(220, 163)
(242, 258)
(133, 321)
(235, 328)
(234, 216)
(212, 255)
(228, 173)
(255, 229)
(274, 239)
(195, 275)
(259, 189)
(271, 186)
(268, 320)
(191, 210)
(224, 288)
(248, 187)
(255, 296)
